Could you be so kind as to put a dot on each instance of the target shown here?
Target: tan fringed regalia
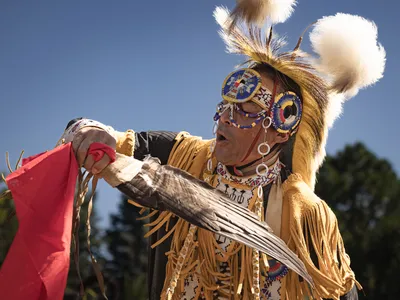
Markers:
(307, 222)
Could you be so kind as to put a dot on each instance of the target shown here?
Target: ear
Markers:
(281, 138)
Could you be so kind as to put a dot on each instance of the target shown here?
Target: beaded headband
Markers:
(244, 85)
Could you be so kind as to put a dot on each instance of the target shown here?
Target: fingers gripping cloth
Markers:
(97, 150)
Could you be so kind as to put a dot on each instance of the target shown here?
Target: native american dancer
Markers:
(270, 131)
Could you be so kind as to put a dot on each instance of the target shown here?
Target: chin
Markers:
(220, 155)
(224, 156)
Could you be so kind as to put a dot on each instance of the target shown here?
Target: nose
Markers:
(225, 117)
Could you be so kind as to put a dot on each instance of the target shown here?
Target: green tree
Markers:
(8, 224)
(128, 250)
(363, 190)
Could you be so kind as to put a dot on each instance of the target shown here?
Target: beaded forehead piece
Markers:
(244, 85)
(241, 86)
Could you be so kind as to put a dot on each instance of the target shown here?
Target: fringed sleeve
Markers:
(190, 153)
(310, 226)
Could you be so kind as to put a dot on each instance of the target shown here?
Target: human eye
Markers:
(250, 107)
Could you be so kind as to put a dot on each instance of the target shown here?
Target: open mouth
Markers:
(221, 137)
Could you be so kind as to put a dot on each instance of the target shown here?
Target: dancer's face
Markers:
(232, 143)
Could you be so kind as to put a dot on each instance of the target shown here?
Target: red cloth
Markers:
(37, 264)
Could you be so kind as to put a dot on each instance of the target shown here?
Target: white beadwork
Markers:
(209, 165)
(260, 191)
(212, 146)
(215, 127)
(180, 262)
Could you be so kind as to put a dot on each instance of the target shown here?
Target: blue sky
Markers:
(155, 65)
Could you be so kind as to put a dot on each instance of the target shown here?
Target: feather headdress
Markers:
(258, 11)
(349, 58)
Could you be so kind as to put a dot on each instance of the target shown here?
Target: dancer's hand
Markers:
(81, 143)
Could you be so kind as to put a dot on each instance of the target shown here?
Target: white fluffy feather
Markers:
(349, 53)
(260, 11)
(276, 11)
(334, 108)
